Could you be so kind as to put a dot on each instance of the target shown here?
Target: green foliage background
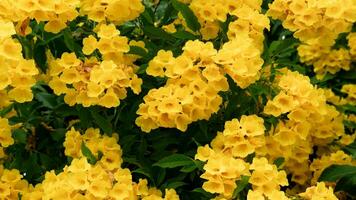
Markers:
(164, 156)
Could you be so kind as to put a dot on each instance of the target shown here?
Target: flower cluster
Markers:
(55, 13)
(191, 92)
(100, 11)
(228, 149)
(326, 160)
(91, 82)
(266, 180)
(16, 74)
(311, 122)
(240, 57)
(226, 162)
(324, 59)
(241, 60)
(348, 89)
(320, 191)
(317, 25)
(210, 13)
(80, 180)
(110, 151)
(222, 180)
(11, 183)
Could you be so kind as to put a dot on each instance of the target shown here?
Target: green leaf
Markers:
(147, 14)
(348, 108)
(88, 154)
(279, 161)
(350, 124)
(20, 136)
(144, 171)
(101, 121)
(347, 184)
(188, 168)
(351, 149)
(188, 15)
(282, 46)
(71, 43)
(185, 35)
(40, 57)
(58, 134)
(142, 69)
(336, 172)
(241, 185)
(138, 51)
(174, 185)
(157, 33)
(175, 160)
(48, 100)
(202, 192)
(84, 116)
(6, 110)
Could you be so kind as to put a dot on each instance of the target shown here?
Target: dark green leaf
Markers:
(175, 184)
(138, 51)
(347, 184)
(336, 172)
(40, 57)
(20, 136)
(184, 35)
(351, 149)
(88, 154)
(187, 13)
(241, 184)
(101, 121)
(48, 100)
(350, 124)
(279, 161)
(175, 160)
(188, 168)
(71, 43)
(157, 33)
(203, 193)
(6, 110)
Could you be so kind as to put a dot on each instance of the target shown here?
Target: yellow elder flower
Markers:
(255, 195)
(99, 12)
(5, 133)
(320, 191)
(317, 26)
(89, 45)
(191, 91)
(99, 188)
(55, 26)
(350, 90)
(7, 29)
(265, 177)
(91, 82)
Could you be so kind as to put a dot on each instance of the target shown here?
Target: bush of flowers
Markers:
(177, 99)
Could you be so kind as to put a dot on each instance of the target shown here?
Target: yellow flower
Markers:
(54, 26)
(5, 190)
(110, 99)
(320, 191)
(99, 188)
(21, 95)
(89, 45)
(7, 29)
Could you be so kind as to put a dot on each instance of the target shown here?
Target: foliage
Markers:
(166, 156)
